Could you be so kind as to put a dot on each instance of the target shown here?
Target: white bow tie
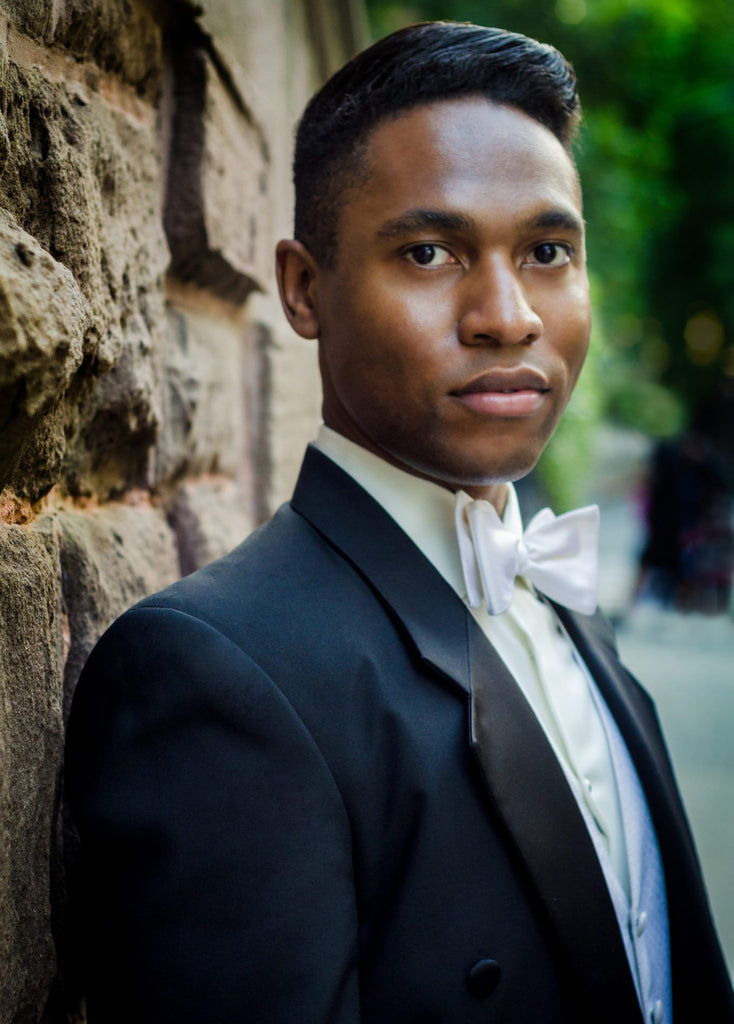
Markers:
(557, 554)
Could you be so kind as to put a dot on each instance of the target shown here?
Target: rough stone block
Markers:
(203, 428)
(121, 36)
(83, 178)
(112, 422)
(235, 181)
(30, 752)
(38, 466)
(110, 558)
(209, 518)
(82, 175)
(217, 208)
(42, 323)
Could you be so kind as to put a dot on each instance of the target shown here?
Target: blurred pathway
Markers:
(686, 662)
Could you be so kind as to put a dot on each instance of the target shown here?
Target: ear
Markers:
(297, 270)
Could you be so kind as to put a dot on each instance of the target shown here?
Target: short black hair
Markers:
(420, 64)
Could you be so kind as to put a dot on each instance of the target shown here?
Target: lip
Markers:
(518, 378)
(505, 393)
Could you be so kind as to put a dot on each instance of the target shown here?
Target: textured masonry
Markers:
(153, 406)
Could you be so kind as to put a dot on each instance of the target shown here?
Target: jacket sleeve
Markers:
(216, 850)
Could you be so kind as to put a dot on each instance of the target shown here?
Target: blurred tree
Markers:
(656, 155)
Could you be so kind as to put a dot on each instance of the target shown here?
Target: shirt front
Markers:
(528, 636)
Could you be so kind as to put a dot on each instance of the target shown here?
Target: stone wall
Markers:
(153, 405)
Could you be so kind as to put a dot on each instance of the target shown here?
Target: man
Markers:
(355, 772)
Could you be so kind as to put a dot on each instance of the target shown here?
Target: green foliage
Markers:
(565, 466)
(655, 154)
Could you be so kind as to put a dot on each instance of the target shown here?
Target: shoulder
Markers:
(264, 552)
(284, 601)
(283, 567)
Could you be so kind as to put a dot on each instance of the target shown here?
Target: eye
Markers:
(429, 255)
(550, 254)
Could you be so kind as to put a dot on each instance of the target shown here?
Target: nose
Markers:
(496, 308)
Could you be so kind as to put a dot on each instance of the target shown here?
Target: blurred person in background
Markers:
(687, 561)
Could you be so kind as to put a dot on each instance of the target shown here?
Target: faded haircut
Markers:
(421, 64)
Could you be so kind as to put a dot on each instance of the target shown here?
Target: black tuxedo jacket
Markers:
(284, 819)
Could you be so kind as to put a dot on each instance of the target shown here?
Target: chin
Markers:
(499, 476)
(496, 459)
(484, 473)
(460, 465)
(459, 476)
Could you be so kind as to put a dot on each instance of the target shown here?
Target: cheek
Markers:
(577, 358)
(388, 298)
(573, 332)
(392, 335)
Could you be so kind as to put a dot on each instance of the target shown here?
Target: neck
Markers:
(495, 494)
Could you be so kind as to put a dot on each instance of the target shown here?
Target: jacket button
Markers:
(483, 978)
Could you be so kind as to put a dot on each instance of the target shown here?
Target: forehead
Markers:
(468, 154)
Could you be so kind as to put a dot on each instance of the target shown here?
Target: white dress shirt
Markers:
(528, 636)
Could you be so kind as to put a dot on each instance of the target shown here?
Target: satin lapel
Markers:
(524, 780)
(416, 595)
(531, 793)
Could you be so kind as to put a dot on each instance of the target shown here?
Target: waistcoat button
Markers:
(483, 978)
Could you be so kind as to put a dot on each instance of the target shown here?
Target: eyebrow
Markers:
(557, 218)
(447, 220)
(420, 219)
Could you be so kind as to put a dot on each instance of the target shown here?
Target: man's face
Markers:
(455, 320)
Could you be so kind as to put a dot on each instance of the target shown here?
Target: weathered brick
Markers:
(110, 558)
(120, 36)
(30, 753)
(203, 429)
(217, 210)
(42, 323)
(209, 517)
